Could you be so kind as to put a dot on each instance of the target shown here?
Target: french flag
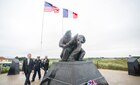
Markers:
(69, 14)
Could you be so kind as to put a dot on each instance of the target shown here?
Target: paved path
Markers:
(113, 77)
(120, 77)
(17, 79)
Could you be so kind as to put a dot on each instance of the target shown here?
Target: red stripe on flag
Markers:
(55, 9)
(75, 15)
(48, 9)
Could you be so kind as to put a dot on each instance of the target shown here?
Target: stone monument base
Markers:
(73, 73)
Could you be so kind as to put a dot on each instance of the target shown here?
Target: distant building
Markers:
(2, 59)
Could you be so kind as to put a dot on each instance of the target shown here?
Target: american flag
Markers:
(48, 7)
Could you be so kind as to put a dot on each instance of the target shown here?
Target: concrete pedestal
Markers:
(73, 73)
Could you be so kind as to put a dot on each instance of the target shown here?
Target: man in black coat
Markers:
(45, 64)
(37, 66)
(27, 68)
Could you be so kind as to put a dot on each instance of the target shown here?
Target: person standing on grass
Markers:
(27, 68)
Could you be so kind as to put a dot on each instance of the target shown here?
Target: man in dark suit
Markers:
(27, 68)
(37, 66)
(45, 65)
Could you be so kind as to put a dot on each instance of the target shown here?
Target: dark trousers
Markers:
(34, 75)
(27, 81)
(45, 72)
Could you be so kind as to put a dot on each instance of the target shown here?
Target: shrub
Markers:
(5, 69)
(104, 63)
(113, 64)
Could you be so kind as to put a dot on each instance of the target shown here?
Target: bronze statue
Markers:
(64, 40)
(71, 69)
(72, 49)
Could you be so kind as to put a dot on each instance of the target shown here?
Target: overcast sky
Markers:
(111, 27)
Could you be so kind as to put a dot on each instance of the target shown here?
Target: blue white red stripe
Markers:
(91, 82)
(69, 14)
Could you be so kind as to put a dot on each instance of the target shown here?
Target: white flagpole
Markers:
(62, 24)
(42, 33)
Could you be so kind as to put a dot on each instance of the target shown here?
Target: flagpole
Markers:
(62, 26)
(42, 34)
(62, 23)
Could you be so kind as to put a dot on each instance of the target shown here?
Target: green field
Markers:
(113, 64)
(101, 63)
(106, 63)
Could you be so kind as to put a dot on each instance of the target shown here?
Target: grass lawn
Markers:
(106, 63)
(102, 63)
(113, 64)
